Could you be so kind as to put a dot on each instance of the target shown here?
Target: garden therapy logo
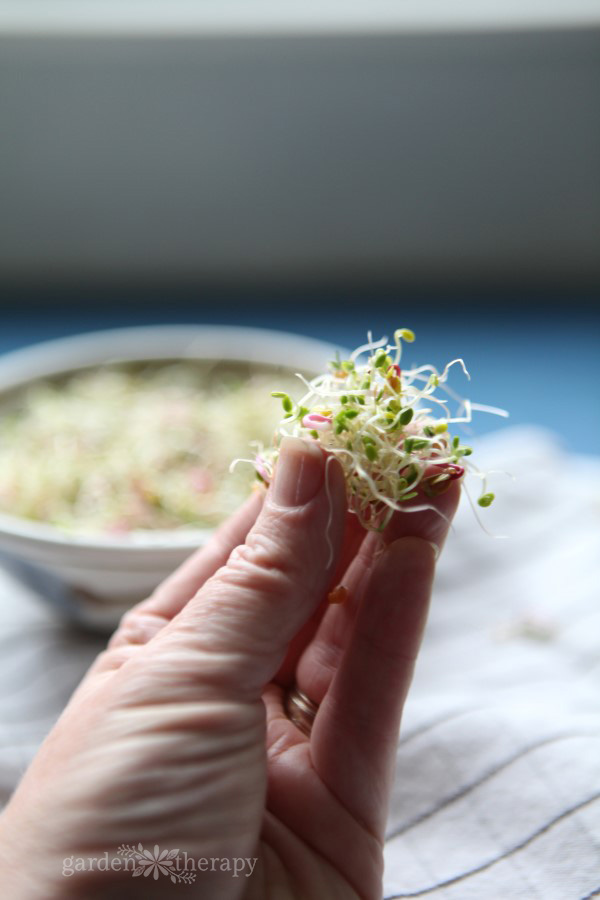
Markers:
(177, 865)
(158, 862)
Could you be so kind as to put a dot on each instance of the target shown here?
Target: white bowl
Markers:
(96, 577)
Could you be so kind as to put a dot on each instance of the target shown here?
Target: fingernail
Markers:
(408, 549)
(436, 550)
(299, 472)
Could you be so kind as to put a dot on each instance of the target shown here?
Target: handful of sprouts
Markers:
(387, 426)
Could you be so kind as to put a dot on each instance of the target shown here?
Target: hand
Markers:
(178, 737)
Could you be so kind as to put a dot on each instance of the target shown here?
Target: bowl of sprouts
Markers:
(115, 451)
(121, 451)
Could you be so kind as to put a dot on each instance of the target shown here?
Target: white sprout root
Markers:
(387, 426)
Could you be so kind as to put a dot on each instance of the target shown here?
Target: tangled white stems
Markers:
(387, 426)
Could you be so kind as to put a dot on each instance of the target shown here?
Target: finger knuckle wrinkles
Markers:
(137, 627)
(113, 657)
(266, 564)
(126, 620)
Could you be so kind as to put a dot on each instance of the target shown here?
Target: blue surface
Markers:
(539, 363)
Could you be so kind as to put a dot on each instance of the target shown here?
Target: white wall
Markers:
(409, 156)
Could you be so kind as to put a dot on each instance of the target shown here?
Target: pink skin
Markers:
(178, 735)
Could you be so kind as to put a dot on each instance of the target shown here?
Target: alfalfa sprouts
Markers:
(389, 427)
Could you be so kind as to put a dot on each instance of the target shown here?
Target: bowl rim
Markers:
(64, 355)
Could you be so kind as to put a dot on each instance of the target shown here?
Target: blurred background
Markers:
(326, 170)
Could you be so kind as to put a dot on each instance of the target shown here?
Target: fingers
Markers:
(320, 660)
(176, 590)
(430, 524)
(353, 537)
(232, 637)
(145, 620)
(355, 733)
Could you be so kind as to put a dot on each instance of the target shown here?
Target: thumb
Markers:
(235, 632)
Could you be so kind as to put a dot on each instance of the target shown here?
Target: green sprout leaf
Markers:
(361, 417)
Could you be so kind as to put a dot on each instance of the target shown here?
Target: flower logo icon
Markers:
(155, 863)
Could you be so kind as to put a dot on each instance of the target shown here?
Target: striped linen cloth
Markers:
(497, 792)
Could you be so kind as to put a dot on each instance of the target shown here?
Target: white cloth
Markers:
(497, 794)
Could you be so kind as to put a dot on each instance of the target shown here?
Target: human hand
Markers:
(178, 735)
